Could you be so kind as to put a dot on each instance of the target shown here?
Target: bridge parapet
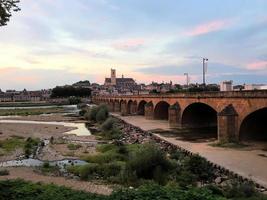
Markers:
(230, 94)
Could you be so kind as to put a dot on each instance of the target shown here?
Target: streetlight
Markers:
(205, 60)
(187, 79)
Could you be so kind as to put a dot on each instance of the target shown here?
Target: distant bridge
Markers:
(238, 115)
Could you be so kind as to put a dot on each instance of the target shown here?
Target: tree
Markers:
(6, 9)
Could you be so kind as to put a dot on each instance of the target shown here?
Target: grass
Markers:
(46, 168)
(11, 144)
(31, 111)
(74, 146)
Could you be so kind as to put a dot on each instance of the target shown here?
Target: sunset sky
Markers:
(57, 42)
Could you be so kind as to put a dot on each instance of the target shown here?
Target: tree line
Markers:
(69, 91)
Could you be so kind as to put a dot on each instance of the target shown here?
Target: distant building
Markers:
(226, 86)
(121, 84)
(255, 87)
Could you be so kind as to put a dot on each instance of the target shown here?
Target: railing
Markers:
(230, 94)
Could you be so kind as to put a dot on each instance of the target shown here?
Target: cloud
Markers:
(257, 65)
(217, 72)
(129, 44)
(208, 27)
(33, 79)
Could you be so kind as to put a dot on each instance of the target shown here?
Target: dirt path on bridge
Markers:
(248, 162)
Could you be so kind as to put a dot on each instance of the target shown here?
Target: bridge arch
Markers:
(253, 127)
(129, 107)
(199, 115)
(141, 107)
(161, 110)
(121, 102)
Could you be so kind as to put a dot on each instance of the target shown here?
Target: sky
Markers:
(58, 42)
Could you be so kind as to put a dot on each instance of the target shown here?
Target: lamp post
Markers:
(187, 79)
(205, 60)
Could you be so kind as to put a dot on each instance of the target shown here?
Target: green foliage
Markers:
(153, 191)
(74, 146)
(32, 111)
(97, 113)
(68, 91)
(102, 115)
(237, 189)
(74, 100)
(108, 125)
(11, 144)
(199, 167)
(19, 189)
(149, 162)
(6, 9)
(30, 146)
(46, 168)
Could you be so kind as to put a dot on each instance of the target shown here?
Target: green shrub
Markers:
(101, 115)
(108, 125)
(91, 114)
(237, 189)
(153, 191)
(105, 157)
(30, 146)
(11, 144)
(199, 166)
(47, 168)
(74, 100)
(93, 170)
(74, 146)
(149, 162)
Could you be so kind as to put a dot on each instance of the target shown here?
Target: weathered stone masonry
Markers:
(231, 108)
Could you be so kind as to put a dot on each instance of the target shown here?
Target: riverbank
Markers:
(30, 174)
(30, 104)
(250, 163)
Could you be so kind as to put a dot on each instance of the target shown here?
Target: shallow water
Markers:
(37, 163)
(67, 107)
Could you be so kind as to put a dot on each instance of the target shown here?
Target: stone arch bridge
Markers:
(237, 115)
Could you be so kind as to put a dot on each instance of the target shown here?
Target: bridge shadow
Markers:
(195, 135)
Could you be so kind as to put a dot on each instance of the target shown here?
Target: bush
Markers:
(97, 113)
(30, 146)
(106, 157)
(101, 115)
(154, 191)
(199, 166)
(149, 162)
(108, 125)
(95, 170)
(237, 189)
(74, 146)
(74, 100)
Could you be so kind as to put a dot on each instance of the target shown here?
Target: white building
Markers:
(255, 87)
(226, 86)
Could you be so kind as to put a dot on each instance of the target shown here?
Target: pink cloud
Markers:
(257, 65)
(130, 44)
(208, 27)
